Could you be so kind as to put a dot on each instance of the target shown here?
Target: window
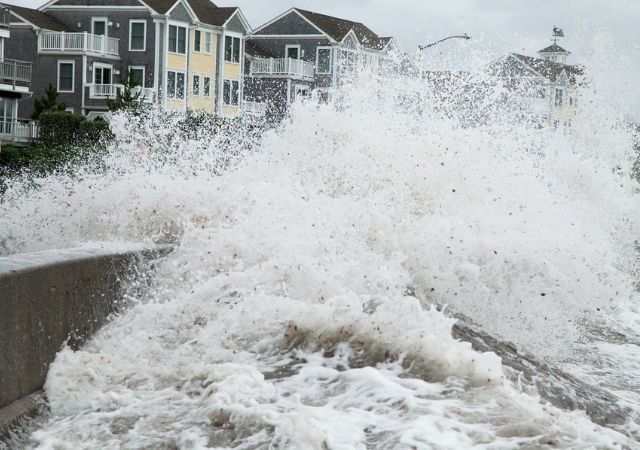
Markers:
(196, 85)
(137, 35)
(207, 42)
(175, 84)
(177, 39)
(197, 35)
(558, 99)
(323, 60)
(231, 92)
(136, 74)
(101, 74)
(65, 76)
(99, 26)
(232, 49)
(292, 51)
(206, 87)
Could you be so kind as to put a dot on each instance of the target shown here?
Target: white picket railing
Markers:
(147, 95)
(104, 90)
(289, 67)
(14, 131)
(15, 72)
(76, 42)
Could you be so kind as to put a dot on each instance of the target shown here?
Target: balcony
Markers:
(104, 91)
(16, 74)
(18, 132)
(147, 95)
(282, 68)
(61, 42)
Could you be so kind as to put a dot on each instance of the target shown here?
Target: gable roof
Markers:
(37, 19)
(339, 28)
(516, 65)
(554, 48)
(160, 6)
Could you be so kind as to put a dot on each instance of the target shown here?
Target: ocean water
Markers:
(321, 268)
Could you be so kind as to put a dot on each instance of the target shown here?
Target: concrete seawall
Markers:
(52, 298)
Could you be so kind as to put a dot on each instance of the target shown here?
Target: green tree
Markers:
(128, 97)
(49, 102)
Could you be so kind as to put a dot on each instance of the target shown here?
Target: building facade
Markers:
(545, 86)
(175, 51)
(301, 51)
(15, 87)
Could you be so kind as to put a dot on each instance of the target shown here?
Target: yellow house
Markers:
(199, 56)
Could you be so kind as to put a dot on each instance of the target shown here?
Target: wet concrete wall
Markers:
(54, 298)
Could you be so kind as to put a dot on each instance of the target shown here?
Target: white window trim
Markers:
(210, 34)
(144, 73)
(231, 80)
(175, 88)
(97, 65)
(318, 59)
(193, 75)
(186, 44)
(73, 74)
(288, 46)
(100, 19)
(241, 49)
(203, 94)
(144, 40)
(198, 30)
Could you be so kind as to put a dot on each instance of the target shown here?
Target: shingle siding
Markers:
(292, 23)
(235, 24)
(180, 13)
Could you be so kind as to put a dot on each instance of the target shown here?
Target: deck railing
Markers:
(288, 67)
(78, 42)
(147, 95)
(104, 90)
(15, 131)
(16, 73)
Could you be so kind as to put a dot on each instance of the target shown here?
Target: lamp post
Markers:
(463, 36)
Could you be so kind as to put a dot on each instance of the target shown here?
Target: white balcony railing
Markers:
(77, 42)
(15, 72)
(14, 131)
(255, 109)
(147, 95)
(287, 67)
(104, 90)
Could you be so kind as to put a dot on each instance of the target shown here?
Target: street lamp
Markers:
(464, 36)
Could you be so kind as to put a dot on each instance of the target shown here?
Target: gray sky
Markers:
(601, 34)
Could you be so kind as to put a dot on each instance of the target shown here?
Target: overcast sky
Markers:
(603, 33)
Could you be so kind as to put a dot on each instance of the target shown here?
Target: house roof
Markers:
(554, 48)
(37, 18)
(206, 11)
(211, 14)
(549, 69)
(160, 6)
(339, 28)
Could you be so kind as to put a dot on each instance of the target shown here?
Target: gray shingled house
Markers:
(300, 51)
(15, 86)
(546, 86)
(184, 54)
